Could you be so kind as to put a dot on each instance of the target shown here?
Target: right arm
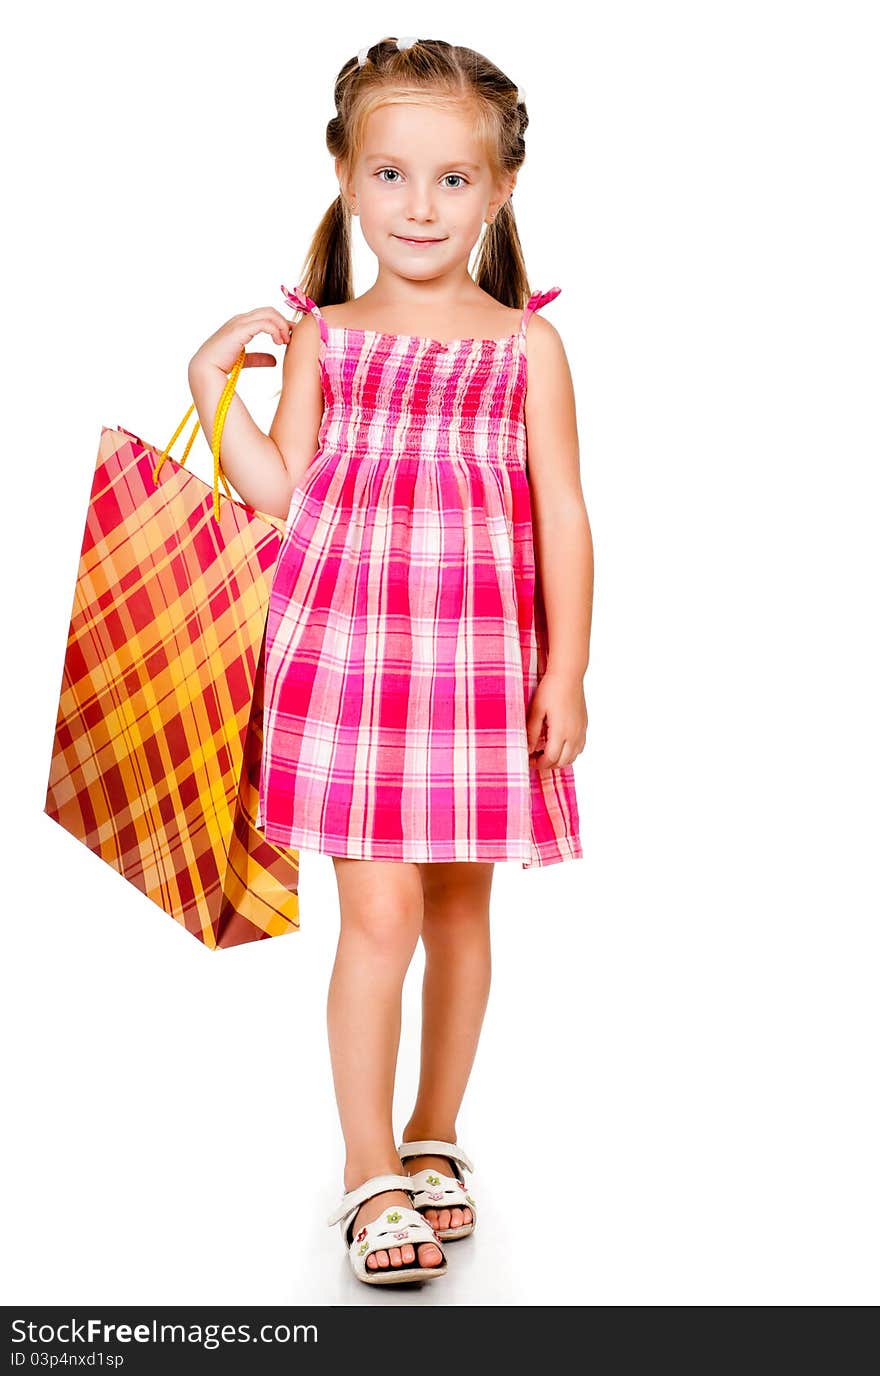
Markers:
(263, 469)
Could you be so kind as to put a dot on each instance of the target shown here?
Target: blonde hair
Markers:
(453, 77)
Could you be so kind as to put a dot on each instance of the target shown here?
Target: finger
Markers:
(563, 756)
(551, 762)
(267, 313)
(550, 757)
(276, 319)
(533, 732)
(267, 321)
(258, 360)
(280, 333)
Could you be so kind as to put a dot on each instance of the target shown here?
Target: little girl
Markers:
(429, 621)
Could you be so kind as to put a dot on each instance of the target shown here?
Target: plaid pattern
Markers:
(406, 634)
(156, 759)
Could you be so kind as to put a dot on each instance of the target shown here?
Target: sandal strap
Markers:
(425, 1184)
(379, 1235)
(434, 1147)
(377, 1184)
(382, 1233)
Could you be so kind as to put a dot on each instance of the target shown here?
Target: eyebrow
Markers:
(453, 162)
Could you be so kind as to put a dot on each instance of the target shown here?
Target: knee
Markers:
(385, 917)
(455, 922)
(457, 904)
(390, 931)
(457, 917)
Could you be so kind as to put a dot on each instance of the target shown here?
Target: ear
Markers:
(503, 190)
(342, 179)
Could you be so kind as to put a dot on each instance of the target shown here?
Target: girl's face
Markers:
(421, 175)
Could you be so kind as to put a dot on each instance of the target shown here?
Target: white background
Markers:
(675, 1096)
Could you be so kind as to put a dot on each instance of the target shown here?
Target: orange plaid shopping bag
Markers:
(158, 738)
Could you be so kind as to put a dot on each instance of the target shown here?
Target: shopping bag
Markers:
(156, 757)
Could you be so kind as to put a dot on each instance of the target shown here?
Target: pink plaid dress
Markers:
(406, 630)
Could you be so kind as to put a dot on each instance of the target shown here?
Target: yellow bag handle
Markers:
(219, 421)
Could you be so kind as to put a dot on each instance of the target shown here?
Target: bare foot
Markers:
(391, 1201)
(440, 1218)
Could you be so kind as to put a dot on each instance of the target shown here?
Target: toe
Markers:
(430, 1254)
(372, 1263)
(456, 1219)
(394, 1254)
(443, 1219)
(467, 1217)
(382, 1259)
(409, 1253)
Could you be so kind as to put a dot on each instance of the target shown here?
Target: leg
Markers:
(455, 933)
(381, 917)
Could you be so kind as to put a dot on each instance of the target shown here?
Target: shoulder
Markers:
(544, 347)
(300, 365)
(306, 328)
(304, 343)
(539, 328)
(549, 385)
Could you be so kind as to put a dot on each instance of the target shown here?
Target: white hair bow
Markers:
(402, 43)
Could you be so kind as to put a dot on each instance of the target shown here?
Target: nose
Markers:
(421, 204)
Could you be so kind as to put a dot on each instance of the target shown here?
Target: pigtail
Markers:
(327, 275)
(500, 267)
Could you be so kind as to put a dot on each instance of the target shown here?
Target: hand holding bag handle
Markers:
(219, 421)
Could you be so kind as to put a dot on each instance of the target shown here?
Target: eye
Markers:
(456, 176)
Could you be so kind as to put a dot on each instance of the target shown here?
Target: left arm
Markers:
(563, 548)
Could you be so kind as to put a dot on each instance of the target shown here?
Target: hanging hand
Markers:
(556, 723)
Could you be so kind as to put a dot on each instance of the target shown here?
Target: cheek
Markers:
(376, 194)
(380, 211)
(467, 224)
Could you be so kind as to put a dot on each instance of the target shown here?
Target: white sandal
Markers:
(391, 1229)
(431, 1190)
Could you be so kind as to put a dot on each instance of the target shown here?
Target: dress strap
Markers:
(535, 302)
(301, 302)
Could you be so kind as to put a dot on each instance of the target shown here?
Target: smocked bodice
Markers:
(422, 397)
